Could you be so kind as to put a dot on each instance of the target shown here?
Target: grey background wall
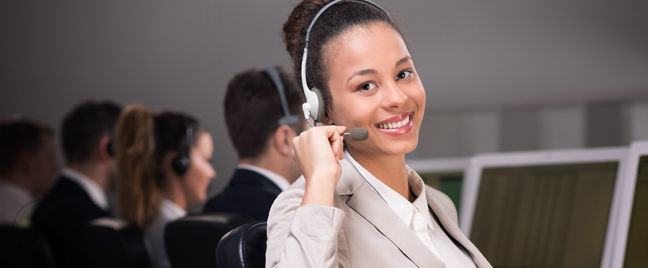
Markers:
(500, 75)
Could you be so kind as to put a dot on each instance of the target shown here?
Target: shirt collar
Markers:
(97, 195)
(279, 180)
(170, 210)
(399, 204)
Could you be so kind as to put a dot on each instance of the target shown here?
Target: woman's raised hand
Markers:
(317, 152)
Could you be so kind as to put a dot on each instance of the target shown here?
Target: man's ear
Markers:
(103, 147)
(282, 140)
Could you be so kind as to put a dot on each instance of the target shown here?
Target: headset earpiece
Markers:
(110, 148)
(180, 163)
(320, 107)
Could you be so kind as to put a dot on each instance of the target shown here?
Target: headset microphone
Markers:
(357, 134)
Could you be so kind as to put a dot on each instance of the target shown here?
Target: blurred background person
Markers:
(78, 195)
(261, 128)
(164, 165)
(27, 166)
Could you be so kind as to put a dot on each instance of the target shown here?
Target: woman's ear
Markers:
(328, 120)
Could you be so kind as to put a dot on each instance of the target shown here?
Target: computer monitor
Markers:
(631, 244)
(544, 209)
(444, 174)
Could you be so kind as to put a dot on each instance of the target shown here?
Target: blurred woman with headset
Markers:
(163, 162)
(358, 203)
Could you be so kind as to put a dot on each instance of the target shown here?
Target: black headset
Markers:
(180, 163)
(110, 148)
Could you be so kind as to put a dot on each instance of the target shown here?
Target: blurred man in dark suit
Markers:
(78, 196)
(27, 167)
(261, 126)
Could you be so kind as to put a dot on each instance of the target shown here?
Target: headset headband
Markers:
(314, 105)
(288, 118)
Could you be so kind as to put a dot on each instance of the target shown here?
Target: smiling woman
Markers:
(358, 204)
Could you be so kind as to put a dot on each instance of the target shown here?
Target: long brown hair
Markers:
(143, 139)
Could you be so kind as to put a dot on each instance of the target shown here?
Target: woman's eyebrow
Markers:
(372, 71)
(403, 60)
(362, 72)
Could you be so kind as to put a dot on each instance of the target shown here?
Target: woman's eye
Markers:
(367, 86)
(404, 74)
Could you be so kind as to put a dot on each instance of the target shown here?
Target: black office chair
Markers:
(191, 241)
(114, 242)
(24, 248)
(243, 247)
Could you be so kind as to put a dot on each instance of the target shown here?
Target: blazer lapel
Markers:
(454, 231)
(363, 199)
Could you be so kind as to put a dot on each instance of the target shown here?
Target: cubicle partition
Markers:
(631, 237)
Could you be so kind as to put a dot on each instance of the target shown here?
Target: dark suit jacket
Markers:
(62, 216)
(248, 193)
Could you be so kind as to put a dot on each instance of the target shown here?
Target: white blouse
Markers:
(154, 233)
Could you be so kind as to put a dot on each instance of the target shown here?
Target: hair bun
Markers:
(294, 30)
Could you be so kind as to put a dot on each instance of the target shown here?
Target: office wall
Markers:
(463, 133)
(179, 55)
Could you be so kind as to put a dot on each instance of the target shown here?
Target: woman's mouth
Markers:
(396, 125)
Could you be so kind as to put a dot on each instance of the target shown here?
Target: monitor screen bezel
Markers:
(637, 150)
(439, 164)
(472, 180)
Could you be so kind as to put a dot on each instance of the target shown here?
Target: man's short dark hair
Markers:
(84, 126)
(18, 135)
(253, 108)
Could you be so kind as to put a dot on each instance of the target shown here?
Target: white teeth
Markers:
(394, 125)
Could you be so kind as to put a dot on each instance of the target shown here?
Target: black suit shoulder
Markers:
(248, 193)
(62, 216)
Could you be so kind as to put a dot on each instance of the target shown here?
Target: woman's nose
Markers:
(394, 96)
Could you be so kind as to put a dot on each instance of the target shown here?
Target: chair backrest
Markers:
(24, 247)
(114, 242)
(191, 241)
(243, 247)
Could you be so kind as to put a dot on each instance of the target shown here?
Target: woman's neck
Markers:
(173, 192)
(389, 169)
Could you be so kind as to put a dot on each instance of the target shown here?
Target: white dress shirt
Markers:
(96, 193)
(418, 218)
(279, 180)
(13, 201)
(154, 233)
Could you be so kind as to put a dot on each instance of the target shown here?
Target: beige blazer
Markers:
(361, 230)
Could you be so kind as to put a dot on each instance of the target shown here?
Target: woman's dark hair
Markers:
(143, 139)
(333, 22)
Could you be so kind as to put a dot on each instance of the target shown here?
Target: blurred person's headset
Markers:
(180, 163)
(288, 118)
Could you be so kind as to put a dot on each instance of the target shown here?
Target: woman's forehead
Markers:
(367, 46)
